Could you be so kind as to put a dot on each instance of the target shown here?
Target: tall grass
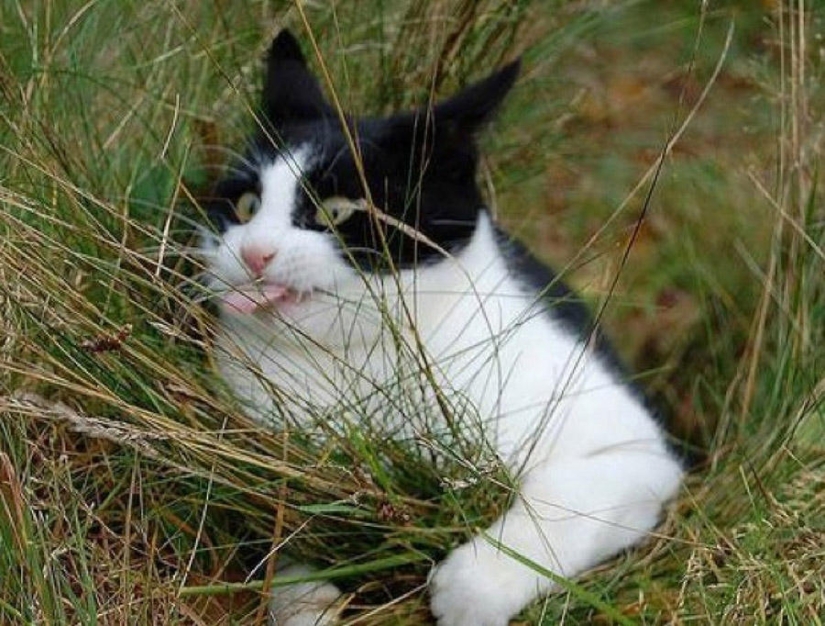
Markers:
(132, 487)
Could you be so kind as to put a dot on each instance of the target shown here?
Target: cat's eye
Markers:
(246, 206)
(336, 210)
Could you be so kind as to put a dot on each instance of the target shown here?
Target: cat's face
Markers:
(316, 206)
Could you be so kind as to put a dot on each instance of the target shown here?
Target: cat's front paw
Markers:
(479, 586)
(311, 603)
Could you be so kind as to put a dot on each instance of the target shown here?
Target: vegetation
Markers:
(132, 487)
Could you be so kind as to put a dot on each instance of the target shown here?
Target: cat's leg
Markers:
(313, 603)
(571, 514)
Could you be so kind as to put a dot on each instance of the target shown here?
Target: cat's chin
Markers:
(249, 299)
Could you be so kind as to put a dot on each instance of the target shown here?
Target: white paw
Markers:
(304, 604)
(478, 586)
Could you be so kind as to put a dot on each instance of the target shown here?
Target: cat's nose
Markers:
(257, 258)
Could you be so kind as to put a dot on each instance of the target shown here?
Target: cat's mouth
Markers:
(247, 299)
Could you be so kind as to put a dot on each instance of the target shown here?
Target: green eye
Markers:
(336, 210)
(246, 206)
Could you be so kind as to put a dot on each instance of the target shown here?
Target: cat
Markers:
(347, 254)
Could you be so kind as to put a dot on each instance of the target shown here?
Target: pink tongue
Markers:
(248, 300)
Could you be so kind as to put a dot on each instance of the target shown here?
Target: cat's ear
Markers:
(456, 121)
(290, 91)
(468, 111)
(444, 135)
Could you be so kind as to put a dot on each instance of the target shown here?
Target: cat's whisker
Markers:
(449, 222)
(364, 249)
(173, 247)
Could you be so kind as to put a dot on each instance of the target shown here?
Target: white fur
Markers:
(594, 469)
(303, 604)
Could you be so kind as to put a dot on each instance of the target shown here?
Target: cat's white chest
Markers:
(459, 341)
(375, 342)
(284, 375)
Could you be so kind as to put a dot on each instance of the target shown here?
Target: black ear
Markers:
(443, 136)
(474, 106)
(290, 92)
(452, 124)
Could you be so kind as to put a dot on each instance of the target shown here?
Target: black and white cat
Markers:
(353, 260)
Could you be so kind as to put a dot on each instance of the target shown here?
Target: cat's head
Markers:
(321, 196)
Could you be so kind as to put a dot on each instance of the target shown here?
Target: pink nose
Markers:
(256, 258)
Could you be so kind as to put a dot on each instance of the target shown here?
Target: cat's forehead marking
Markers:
(280, 184)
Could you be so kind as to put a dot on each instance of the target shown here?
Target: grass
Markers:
(133, 489)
